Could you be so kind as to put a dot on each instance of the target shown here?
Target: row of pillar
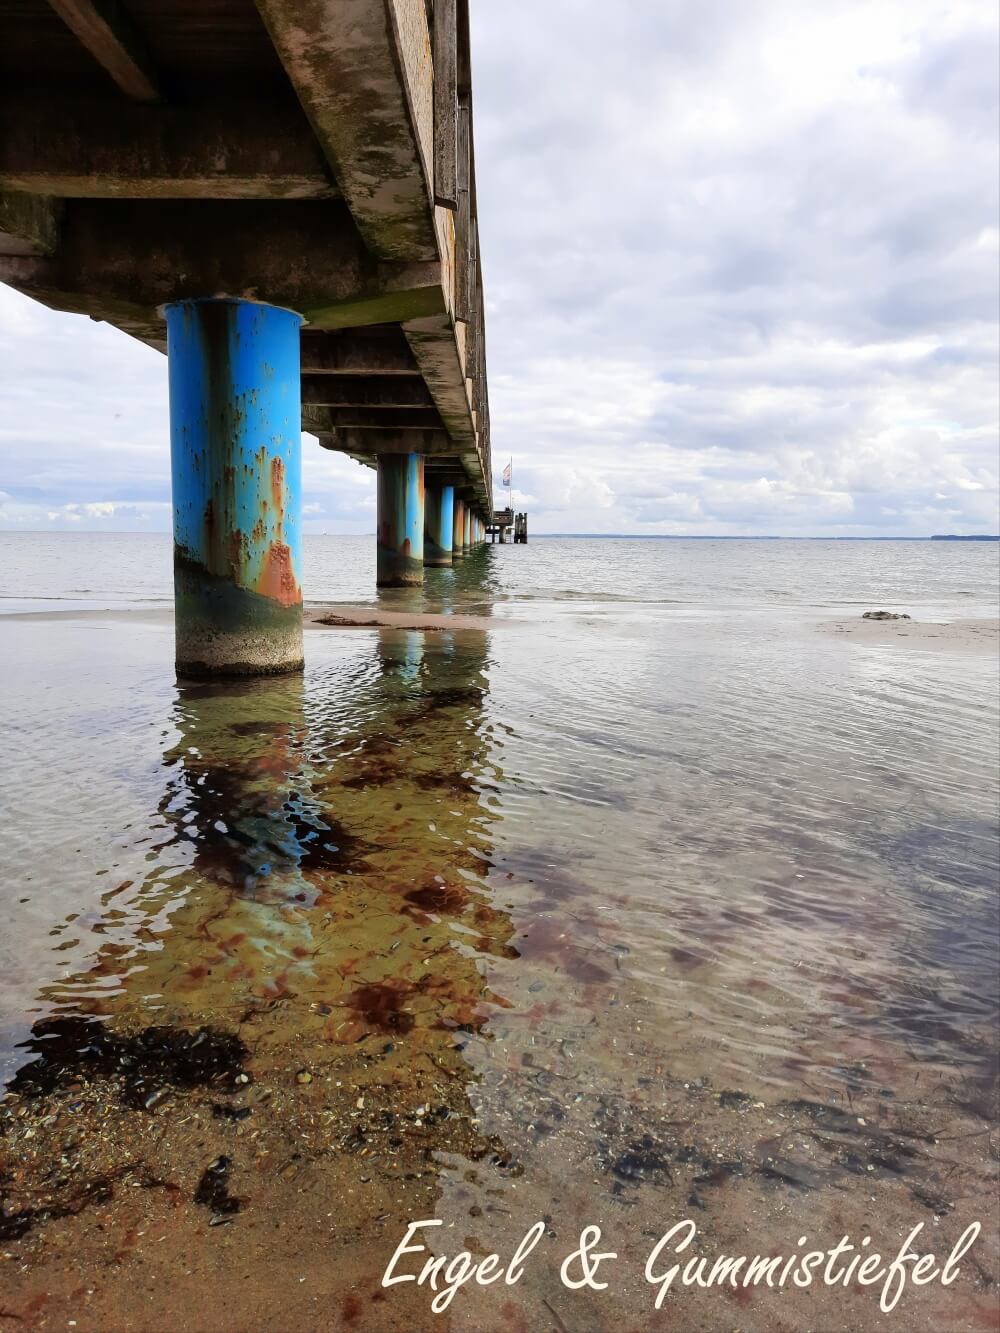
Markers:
(420, 524)
(235, 442)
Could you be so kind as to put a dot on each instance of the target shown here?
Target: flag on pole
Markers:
(506, 475)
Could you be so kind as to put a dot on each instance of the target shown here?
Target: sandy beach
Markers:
(367, 617)
(954, 636)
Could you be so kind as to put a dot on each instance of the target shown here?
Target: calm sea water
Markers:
(651, 893)
(90, 570)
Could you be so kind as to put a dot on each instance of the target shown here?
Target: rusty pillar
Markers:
(400, 520)
(439, 524)
(235, 447)
(458, 530)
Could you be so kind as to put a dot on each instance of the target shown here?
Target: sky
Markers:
(741, 270)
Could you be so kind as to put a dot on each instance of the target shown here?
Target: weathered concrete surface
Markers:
(348, 77)
(229, 149)
(378, 353)
(382, 417)
(285, 151)
(365, 391)
(429, 443)
(29, 224)
(108, 33)
(304, 255)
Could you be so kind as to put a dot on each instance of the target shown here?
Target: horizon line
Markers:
(595, 536)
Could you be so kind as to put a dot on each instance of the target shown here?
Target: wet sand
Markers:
(278, 1202)
(333, 616)
(366, 617)
(954, 636)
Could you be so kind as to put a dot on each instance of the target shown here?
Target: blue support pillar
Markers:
(400, 520)
(439, 524)
(235, 449)
(458, 531)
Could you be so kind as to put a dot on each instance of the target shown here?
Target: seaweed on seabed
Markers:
(213, 1191)
(142, 1063)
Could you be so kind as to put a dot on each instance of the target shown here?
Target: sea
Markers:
(647, 898)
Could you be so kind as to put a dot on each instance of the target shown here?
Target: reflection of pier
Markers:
(281, 197)
(302, 844)
(280, 1033)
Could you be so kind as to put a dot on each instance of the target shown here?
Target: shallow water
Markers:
(650, 899)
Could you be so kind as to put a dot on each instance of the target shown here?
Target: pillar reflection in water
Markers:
(305, 954)
(281, 819)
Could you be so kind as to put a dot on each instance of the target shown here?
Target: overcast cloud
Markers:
(741, 260)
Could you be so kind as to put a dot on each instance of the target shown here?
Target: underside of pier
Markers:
(314, 155)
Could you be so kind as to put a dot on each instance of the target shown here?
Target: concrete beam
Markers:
(357, 352)
(29, 224)
(104, 28)
(345, 62)
(121, 260)
(402, 291)
(372, 443)
(87, 148)
(365, 391)
(446, 103)
(384, 418)
(463, 216)
(316, 420)
(435, 350)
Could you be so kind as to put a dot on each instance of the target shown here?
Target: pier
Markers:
(507, 526)
(282, 198)
(500, 525)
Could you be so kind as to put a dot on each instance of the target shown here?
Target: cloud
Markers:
(741, 266)
(746, 246)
